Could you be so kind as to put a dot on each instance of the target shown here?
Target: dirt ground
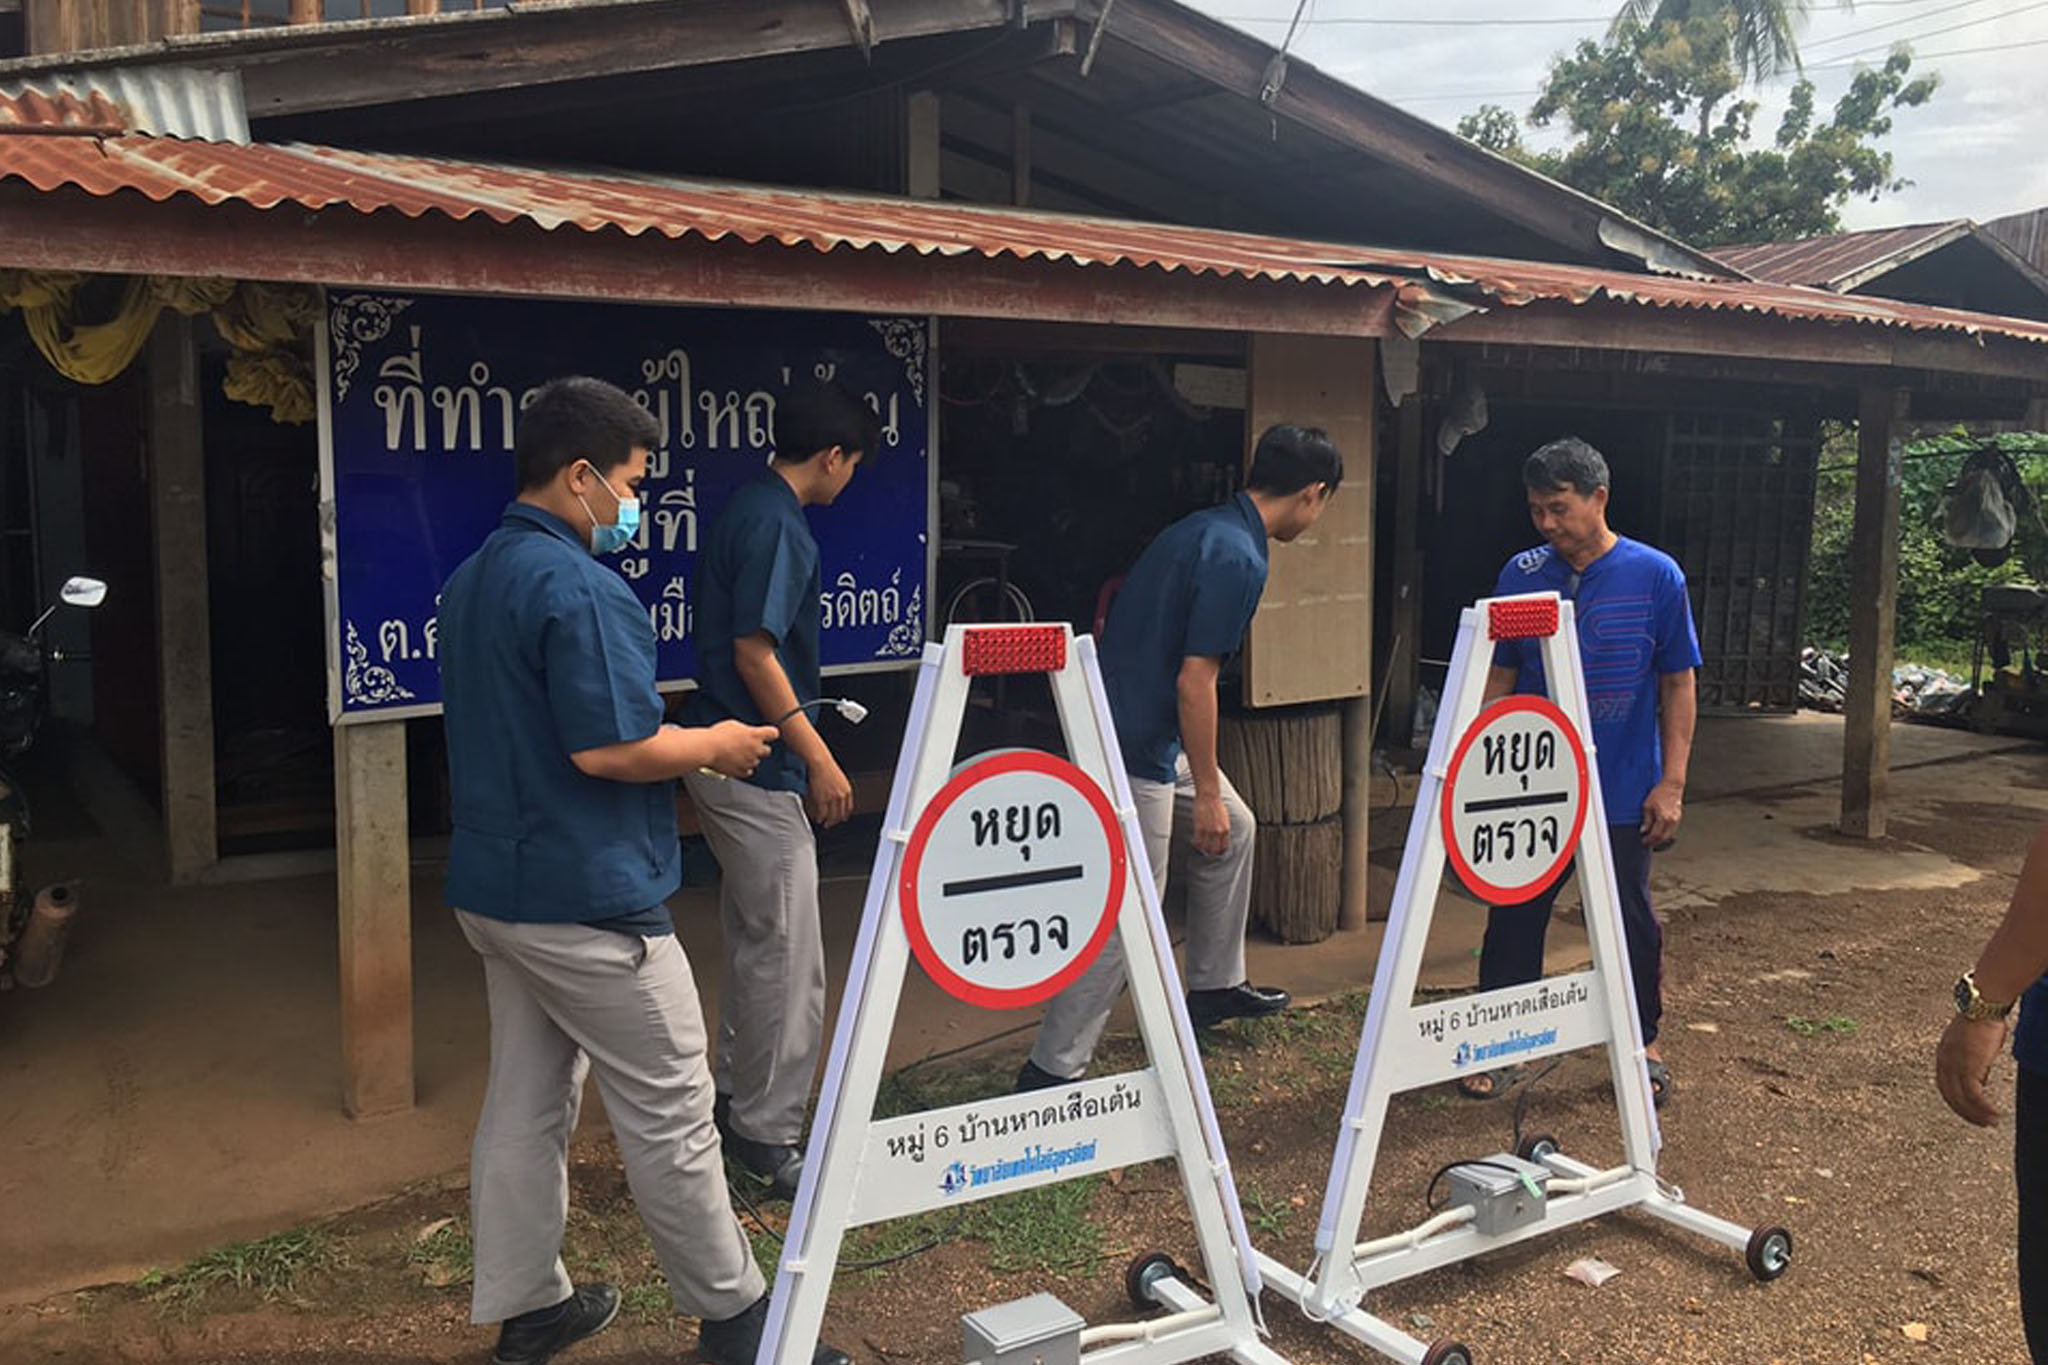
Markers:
(1800, 1028)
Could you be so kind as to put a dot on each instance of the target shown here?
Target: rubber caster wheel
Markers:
(1447, 1353)
(1538, 1147)
(1769, 1253)
(1146, 1269)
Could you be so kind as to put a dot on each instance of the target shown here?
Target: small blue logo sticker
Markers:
(955, 1178)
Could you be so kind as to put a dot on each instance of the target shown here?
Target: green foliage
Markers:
(1940, 587)
(1657, 131)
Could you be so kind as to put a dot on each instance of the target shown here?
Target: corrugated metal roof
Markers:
(1843, 260)
(1432, 288)
(162, 101)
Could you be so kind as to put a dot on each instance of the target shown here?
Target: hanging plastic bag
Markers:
(1975, 514)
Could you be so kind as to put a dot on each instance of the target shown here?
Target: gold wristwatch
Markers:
(1971, 1004)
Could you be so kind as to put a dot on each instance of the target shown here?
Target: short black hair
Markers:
(579, 418)
(817, 414)
(1565, 463)
(1288, 459)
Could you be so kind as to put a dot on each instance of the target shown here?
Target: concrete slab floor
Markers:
(178, 1087)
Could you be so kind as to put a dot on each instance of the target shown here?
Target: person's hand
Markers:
(1663, 808)
(831, 795)
(1962, 1064)
(738, 748)
(1212, 825)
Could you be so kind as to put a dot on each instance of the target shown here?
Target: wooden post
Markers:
(1404, 649)
(1312, 637)
(177, 487)
(1020, 155)
(921, 148)
(307, 11)
(1873, 603)
(375, 866)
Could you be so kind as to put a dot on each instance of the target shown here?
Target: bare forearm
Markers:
(1678, 714)
(2017, 955)
(1499, 682)
(666, 754)
(769, 686)
(1197, 704)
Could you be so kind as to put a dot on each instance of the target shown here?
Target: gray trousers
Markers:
(1219, 900)
(771, 1015)
(566, 1000)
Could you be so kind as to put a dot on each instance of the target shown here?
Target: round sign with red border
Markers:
(1514, 800)
(1012, 879)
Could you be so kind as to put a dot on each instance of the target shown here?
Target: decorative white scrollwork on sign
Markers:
(356, 321)
(906, 339)
(369, 684)
(906, 637)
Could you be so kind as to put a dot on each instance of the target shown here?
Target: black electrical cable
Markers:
(1429, 1195)
(877, 1263)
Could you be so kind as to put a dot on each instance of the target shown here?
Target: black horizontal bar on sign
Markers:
(1012, 880)
(1517, 802)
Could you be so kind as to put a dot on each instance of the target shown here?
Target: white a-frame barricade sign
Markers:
(1509, 797)
(1005, 879)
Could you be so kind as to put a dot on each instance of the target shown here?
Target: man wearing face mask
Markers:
(563, 855)
(757, 633)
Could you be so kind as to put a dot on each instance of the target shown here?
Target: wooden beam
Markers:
(922, 123)
(1612, 326)
(1172, 33)
(70, 230)
(375, 884)
(860, 22)
(1020, 155)
(1873, 603)
(1008, 337)
(177, 487)
(1405, 623)
(301, 70)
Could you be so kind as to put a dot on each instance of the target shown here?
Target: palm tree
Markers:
(1763, 34)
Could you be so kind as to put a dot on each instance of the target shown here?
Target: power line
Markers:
(1911, 38)
(1845, 64)
(1891, 23)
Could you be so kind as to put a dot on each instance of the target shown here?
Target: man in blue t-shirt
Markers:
(1638, 649)
(2014, 961)
(1183, 609)
(564, 851)
(756, 630)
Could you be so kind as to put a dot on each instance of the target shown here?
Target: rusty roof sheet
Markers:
(1843, 260)
(162, 102)
(1431, 288)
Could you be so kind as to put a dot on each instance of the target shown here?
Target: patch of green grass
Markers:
(1267, 1216)
(1043, 1229)
(767, 1251)
(916, 1088)
(649, 1302)
(268, 1267)
(1809, 1028)
(444, 1256)
(880, 1247)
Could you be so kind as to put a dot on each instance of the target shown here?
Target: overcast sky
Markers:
(1978, 149)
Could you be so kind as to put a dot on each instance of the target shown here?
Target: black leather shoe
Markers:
(737, 1340)
(589, 1311)
(778, 1168)
(1206, 1009)
(1031, 1076)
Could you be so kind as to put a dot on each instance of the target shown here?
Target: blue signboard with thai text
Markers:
(420, 397)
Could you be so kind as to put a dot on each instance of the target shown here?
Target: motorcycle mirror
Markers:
(83, 592)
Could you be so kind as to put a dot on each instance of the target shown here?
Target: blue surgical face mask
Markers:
(609, 540)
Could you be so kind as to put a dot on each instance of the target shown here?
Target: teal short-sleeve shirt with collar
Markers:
(758, 573)
(1192, 593)
(545, 653)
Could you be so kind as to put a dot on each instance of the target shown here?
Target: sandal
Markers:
(1486, 1085)
(1662, 1086)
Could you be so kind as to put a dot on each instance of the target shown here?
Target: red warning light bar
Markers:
(1521, 618)
(1014, 649)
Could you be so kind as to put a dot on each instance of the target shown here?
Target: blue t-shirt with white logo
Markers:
(1635, 626)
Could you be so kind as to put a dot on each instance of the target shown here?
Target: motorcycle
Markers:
(32, 929)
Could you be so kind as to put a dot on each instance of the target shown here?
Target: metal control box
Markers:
(1504, 1191)
(1039, 1330)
